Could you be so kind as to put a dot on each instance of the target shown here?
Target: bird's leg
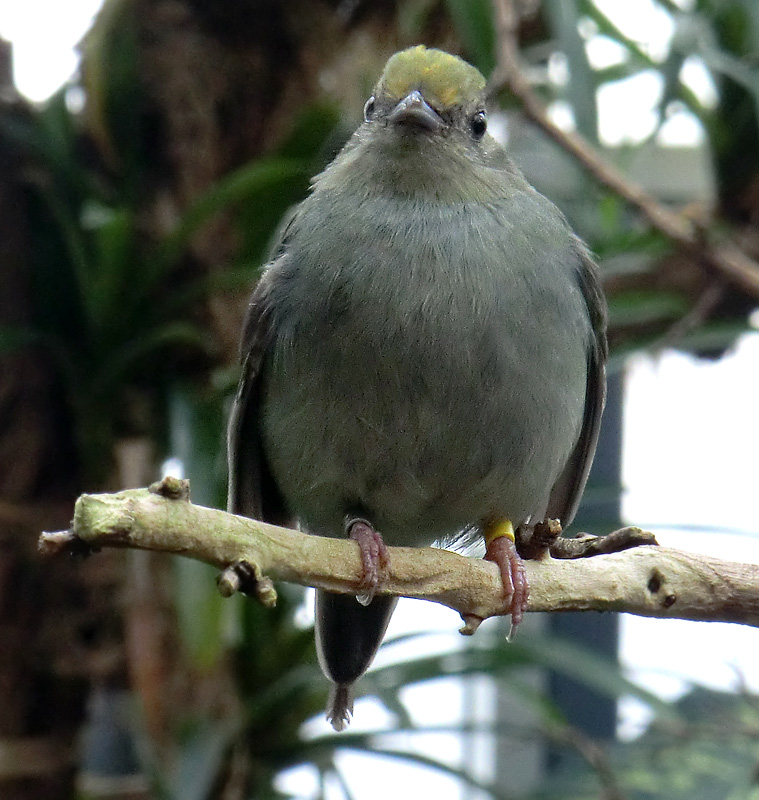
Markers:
(501, 548)
(374, 556)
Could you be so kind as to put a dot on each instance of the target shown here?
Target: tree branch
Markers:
(727, 260)
(648, 581)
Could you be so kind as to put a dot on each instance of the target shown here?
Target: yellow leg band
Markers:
(495, 530)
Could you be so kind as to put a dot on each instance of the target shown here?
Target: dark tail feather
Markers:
(339, 706)
(347, 637)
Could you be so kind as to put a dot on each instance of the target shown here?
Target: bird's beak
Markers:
(415, 110)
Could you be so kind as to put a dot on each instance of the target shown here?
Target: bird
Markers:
(423, 357)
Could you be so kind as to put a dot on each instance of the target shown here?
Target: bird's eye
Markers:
(369, 109)
(479, 124)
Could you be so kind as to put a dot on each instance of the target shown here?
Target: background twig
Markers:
(726, 259)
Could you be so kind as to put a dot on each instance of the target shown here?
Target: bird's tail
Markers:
(340, 706)
(347, 638)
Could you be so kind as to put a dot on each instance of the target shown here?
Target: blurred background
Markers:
(148, 150)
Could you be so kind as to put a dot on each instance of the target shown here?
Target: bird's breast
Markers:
(428, 368)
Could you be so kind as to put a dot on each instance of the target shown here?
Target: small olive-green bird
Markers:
(423, 356)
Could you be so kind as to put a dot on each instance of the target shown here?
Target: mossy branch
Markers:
(648, 580)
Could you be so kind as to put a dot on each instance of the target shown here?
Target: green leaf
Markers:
(607, 28)
(115, 112)
(312, 129)
(196, 437)
(200, 760)
(596, 672)
(113, 285)
(57, 136)
(261, 180)
(76, 245)
(202, 612)
(616, 72)
(127, 360)
(413, 16)
(12, 338)
(502, 658)
(473, 20)
(713, 337)
(460, 774)
(645, 307)
(699, 36)
(580, 91)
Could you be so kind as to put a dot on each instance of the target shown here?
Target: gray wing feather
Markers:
(566, 493)
(252, 489)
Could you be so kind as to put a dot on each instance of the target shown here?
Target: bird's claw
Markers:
(374, 557)
(504, 553)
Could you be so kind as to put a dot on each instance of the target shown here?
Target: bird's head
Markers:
(427, 92)
(425, 134)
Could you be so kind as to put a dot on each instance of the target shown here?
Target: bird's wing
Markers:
(566, 493)
(253, 492)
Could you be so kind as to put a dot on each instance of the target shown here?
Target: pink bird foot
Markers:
(502, 550)
(374, 557)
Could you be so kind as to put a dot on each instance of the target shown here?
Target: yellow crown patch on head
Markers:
(443, 79)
